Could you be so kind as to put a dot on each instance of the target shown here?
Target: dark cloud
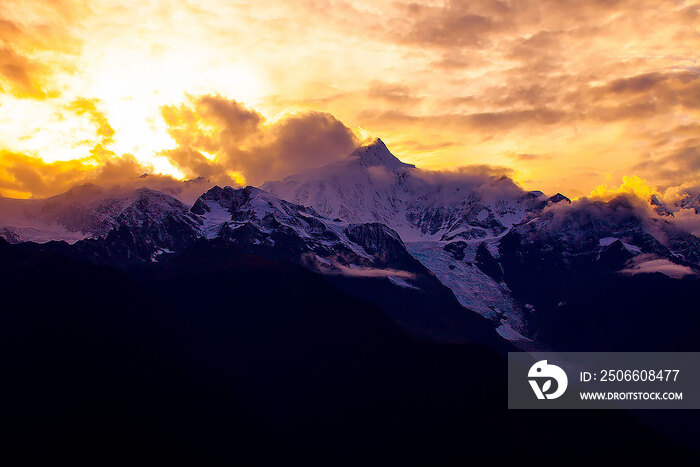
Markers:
(244, 143)
(639, 83)
(236, 120)
(691, 12)
(642, 95)
(303, 141)
(449, 28)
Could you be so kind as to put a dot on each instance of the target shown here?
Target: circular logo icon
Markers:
(541, 376)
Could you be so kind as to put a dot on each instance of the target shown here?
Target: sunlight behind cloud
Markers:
(563, 100)
(132, 72)
(134, 86)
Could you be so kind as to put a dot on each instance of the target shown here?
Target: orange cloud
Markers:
(26, 176)
(83, 106)
(28, 30)
(23, 176)
(22, 76)
(631, 185)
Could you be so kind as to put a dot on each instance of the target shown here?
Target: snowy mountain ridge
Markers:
(371, 215)
(372, 185)
(455, 224)
(430, 212)
(84, 211)
(251, 217)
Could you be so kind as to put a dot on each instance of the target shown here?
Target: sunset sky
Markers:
(564, 96)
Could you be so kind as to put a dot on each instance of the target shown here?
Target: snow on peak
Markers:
(372, 185)
(86, 211)
(426, 210)
(377, 154)
(230, 207)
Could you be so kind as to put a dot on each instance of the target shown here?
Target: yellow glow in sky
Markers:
(566, 102)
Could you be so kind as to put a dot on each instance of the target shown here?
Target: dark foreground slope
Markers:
(219, 357)
(588, 301)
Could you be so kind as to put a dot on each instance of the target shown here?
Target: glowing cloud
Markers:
(631, 185)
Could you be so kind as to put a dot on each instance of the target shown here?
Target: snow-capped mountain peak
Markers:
(428, 210)
(230, 207)
(376, 154)
(88, 211)
(372, 185)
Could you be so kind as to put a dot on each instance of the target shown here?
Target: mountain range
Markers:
(476, 243)
(357, 311)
